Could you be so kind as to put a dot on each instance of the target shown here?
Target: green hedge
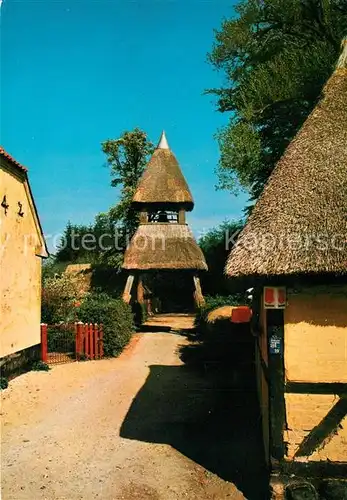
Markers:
(114, 314)
(211, 303)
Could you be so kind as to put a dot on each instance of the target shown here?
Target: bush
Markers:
(60, 295)
(201, 324)
(116, 317)
(40, 366)
(218, 339)
(3, 383)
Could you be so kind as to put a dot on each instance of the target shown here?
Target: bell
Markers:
(162, 217)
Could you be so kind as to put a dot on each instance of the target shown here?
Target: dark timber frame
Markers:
(275, 327)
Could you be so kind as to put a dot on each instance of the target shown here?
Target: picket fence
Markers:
(64, 343)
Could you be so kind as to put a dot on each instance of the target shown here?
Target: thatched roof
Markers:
(163, 182)
(78, 268)
(82, 274)
(164, 246)
(299, 224)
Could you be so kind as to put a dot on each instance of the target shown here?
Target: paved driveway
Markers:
(141, 426)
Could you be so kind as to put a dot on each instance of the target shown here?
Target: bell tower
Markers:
(163, 240)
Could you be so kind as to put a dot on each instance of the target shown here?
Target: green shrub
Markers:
(40, 366)
(211, 303)
(60, 297)
(3, 383)
(116, 317)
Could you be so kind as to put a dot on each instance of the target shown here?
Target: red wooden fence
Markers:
(88, 342)
(44, 346)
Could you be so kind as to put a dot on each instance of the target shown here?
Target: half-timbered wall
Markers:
(315, 359)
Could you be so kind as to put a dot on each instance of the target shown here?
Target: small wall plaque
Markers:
(274, 297)
(275, 346)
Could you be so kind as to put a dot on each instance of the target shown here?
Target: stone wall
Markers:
(19, 362)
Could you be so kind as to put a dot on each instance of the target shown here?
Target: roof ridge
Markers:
(10, 158)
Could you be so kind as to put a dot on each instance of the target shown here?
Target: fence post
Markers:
(101, 340)
(91, 340)
(86, 339)
(44, 346)
(96, 338)
(79, 339)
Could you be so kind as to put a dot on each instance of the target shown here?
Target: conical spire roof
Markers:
(299, 224)
(163, 144)
(162, 182)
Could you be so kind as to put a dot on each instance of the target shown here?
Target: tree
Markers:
(276, 56)
(71, 247)
(127, 157)
(104, 241)
(216, 245)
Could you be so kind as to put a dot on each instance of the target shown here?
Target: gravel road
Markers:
(125, 428)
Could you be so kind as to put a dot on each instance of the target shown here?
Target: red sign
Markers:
(274, 297)
(241, 314)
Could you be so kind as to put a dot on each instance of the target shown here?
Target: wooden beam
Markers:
(198, 296)
(143, 217)
(275, 337)
(126, 294)
(140, 290)
(182, 216)
(316, 387)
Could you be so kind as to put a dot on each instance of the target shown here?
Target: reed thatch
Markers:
(78, 268)
(82, 275)
(164, 246)
(163, 183)
(299, 224)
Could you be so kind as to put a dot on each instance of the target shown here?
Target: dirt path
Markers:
(132, 427)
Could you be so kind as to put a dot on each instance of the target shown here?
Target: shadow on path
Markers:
(206, 418)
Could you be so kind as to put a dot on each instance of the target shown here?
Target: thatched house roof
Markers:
(164, 246)
(82, 274)
(299, 224)
(163, 182)
(78, 268)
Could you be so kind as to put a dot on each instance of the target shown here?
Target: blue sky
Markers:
(75, 73)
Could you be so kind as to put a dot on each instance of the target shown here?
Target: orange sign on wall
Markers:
(274, 297)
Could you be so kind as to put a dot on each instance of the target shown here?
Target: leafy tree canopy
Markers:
(216, 245)
(276, 56)
(104, 241)
(127, 157)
